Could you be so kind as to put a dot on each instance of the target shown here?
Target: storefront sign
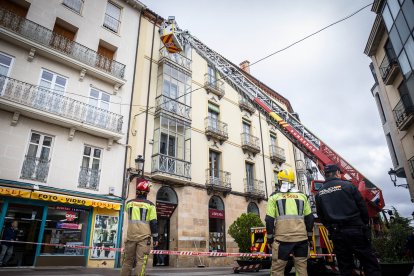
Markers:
(75, 200)
(165, 210)
(14, 192)
(70, 216)
(214, 213)
(62, 225)
(64, 208)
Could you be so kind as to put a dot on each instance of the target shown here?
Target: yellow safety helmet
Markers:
(286, 175)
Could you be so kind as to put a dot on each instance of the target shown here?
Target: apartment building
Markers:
(210, 155)
(66, 77)
(391, 48)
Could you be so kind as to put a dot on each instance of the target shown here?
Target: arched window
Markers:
(252, 208)
(166, 194)
(217, 229)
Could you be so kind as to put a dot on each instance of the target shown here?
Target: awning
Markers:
(75, 200)
(14, 192)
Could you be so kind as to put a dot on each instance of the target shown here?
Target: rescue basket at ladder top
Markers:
(168, 34)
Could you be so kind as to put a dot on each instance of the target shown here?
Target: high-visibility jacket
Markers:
(289, 217)
(142, 219)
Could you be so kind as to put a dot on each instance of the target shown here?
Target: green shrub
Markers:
(239, 230)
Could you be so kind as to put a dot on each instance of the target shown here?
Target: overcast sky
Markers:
(326, 78)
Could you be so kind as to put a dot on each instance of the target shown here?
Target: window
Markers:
(217, 230)
(212, 75)
(52, 86)
(276, 180)
(252, 208)
(65, 225)
(246, 132)
(90, 170)
(392, 150)
(99, 102)
(105, 57)
(250, 176)
(175, 84)
(37, 159)
(75, 5)
(5, 65)
(52, 82)
(273, 139)
(213, 115)
(112, 17)
(63, 36)
(214, 165)
(380, 108)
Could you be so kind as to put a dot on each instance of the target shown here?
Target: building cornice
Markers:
(377, 31)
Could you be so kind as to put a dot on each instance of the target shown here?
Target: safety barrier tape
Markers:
(162, 252)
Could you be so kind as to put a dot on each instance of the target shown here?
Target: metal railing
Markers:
(46, 37)
(218, 179)
(277, 153)
(177, 58)
(171, 165)
(75, 5)
(89, 178)
(411, 166)
(250, 141)
(245, 104)
(216, 128)
(42, 99)
(35, 168)
(168, 104)
(214, 85)
(386, 66)
(254, 187)
(111, 23)
(403, 109)
(300, 166)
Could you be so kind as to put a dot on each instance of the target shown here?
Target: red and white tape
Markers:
(162, 252)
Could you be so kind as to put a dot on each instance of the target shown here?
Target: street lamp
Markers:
(139, 165)
(393, 176)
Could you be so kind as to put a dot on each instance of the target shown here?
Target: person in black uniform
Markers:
(342, 210)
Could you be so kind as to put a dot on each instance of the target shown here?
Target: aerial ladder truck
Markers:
(314, 148)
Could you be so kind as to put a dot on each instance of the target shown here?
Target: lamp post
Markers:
(139, 165)
(393, 176)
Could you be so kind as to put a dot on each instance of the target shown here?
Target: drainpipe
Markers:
(125, 178)
(264, 163)
(148, 93)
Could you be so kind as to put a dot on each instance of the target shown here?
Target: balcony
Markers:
(212, 85)
(217, 180)
(216, 129)
(170, 169)
(411, 166)
(404, 113)
(172, 107)
(89, 178)
(250, 143)
(39, 103)
(277, 154)
(300, 167)
(35, 168)
(244, 104)
(254, 188)
(26, 32)
(389, 69)
(177, 59)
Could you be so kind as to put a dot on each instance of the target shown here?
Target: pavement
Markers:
(152, 271)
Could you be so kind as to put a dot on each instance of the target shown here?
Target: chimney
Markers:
(244, 65)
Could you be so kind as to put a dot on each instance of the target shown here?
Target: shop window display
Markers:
(217, 237)
(65, 226)
(104, 234)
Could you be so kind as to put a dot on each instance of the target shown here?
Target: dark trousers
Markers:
(352, 241)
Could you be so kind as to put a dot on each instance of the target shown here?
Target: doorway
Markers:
(29, 219)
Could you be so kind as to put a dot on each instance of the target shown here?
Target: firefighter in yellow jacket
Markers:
(142, 224)
(289, 224)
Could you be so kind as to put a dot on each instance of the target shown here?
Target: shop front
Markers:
(54, 225)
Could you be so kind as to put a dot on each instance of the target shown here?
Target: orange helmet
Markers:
(143, 185)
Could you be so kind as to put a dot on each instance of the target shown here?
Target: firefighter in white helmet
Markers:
(289, 223)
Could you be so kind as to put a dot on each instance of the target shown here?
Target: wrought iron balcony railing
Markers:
(213, 85)
(246, 105)
(218, 180)
(404, 112)
(216, 129)
(176, 58)
(89, 178)
(250, 143)
(254, 187)
(277, 154)
(411, 165)
(175, 107)
(43, 99)
(388, 69)
(170, 165)
(300, 166)
(45, 37)
(35, 168)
